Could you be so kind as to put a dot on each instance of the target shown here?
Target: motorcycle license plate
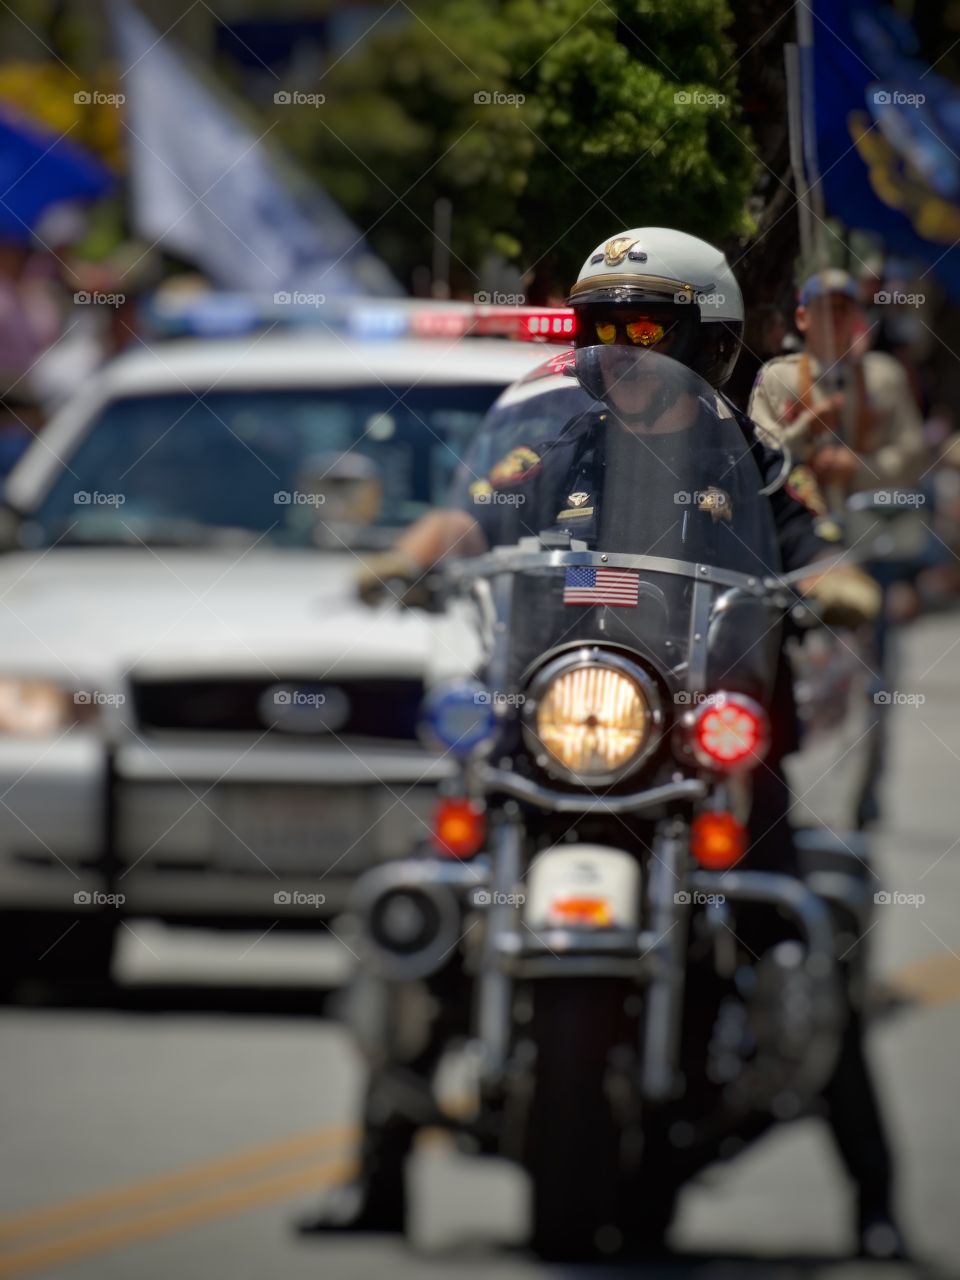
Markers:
(586, 886)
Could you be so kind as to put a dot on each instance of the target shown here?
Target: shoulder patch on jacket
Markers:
(802, 485)
(518, 465)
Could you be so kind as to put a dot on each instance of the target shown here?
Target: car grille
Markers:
(368, 708)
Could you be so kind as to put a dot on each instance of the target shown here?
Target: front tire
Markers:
(574, 1147)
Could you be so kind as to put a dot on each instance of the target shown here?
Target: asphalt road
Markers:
(159, 1144)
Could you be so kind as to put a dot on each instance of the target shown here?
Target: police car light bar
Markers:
(461, 320)
(216, 314)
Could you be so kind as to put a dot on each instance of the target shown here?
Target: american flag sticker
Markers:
(601, 586)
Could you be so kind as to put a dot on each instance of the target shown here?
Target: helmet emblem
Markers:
(577, 499)
(615, 250)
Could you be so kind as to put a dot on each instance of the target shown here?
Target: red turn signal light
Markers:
(459, 827)
(717, 840)
(729, 731)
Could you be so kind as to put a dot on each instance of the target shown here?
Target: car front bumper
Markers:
(214, 827)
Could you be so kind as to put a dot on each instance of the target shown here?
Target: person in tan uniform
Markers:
(846, 414)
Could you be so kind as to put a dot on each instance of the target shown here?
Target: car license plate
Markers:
(292, 830)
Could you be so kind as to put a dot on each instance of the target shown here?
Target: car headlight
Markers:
(591, 715)
(35, 708)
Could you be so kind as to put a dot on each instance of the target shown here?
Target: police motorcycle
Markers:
(623, 1000)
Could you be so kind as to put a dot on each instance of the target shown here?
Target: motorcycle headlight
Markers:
(34, 708)
(591, 716)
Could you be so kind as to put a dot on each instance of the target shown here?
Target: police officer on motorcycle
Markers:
(662, 290)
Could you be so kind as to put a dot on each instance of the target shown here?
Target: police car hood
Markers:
(81, 614)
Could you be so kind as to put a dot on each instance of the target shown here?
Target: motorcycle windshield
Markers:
(625, 451)
(644, 497)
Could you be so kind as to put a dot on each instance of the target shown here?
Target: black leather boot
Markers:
(376, 1200)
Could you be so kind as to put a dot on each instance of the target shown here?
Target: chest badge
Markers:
(577, 510)
(716, 501)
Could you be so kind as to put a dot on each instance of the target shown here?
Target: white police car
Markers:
(198, 722)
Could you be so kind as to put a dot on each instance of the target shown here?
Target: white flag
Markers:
(206, 189)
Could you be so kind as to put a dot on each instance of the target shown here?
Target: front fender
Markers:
(583, 885)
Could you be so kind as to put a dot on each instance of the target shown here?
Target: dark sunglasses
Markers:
(642, 332)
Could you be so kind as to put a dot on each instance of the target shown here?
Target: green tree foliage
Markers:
(627, 115)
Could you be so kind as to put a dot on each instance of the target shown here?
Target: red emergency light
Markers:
(526, 324)
(729, 731)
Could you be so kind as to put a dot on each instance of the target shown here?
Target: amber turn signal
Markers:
(459, 827)
(717, 840)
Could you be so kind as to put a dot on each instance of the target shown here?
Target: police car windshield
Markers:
(338, 468)
(621, 451)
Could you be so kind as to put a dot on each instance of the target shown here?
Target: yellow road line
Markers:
(935, 980)
(249, 1160)
(191, 1214)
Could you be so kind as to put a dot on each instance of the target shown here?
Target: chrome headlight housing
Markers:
(591, 716)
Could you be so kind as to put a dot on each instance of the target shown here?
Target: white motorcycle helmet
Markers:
(653, 287)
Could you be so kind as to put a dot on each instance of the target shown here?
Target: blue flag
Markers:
(37, 170)
(887, 133)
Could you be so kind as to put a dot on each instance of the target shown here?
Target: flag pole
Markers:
(805, 220)
(811, 209)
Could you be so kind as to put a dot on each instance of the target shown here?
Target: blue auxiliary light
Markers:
(378, 321)
(458, 716)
